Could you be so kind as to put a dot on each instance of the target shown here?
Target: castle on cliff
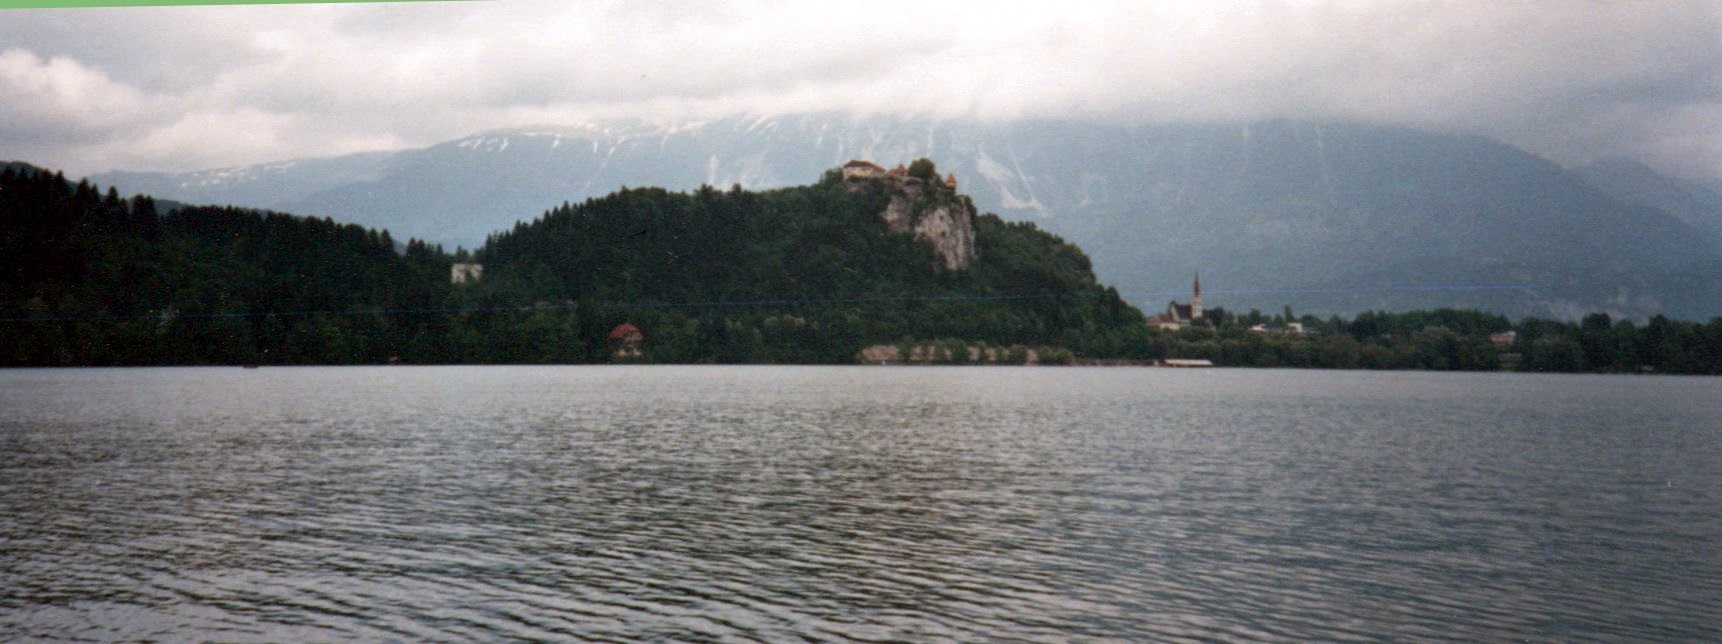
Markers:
(859, 169)
(920, 205)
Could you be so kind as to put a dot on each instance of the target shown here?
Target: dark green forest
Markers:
(799, 275)
(1449, 340)
(92, 279)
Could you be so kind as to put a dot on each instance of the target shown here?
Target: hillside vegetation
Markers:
(806, 275)
(809, 274)
(1332, 217)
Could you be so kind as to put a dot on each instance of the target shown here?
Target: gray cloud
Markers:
(189, 87)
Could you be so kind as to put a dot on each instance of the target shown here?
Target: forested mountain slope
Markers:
(1330, 216)
(804, 274)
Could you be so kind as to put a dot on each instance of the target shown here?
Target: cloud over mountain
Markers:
(187, 87)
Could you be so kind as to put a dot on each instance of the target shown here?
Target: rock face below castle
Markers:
(934, 213)
(949, 226)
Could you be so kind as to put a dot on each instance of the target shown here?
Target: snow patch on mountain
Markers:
(1002, 178)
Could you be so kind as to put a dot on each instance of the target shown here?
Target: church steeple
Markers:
(1196, 298)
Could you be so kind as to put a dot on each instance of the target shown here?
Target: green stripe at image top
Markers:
(73, 4)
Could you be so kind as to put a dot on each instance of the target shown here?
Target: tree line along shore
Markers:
(803, 275)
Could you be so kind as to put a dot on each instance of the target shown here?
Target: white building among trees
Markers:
(463, 273)
(1178, 316)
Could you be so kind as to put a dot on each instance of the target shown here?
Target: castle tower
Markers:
(1196, 299)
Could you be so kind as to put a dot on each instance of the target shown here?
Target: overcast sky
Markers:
(179, 88)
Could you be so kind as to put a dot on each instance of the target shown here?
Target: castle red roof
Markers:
(863, 164)
(625, 330)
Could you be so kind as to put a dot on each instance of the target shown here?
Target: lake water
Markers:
(485, 503)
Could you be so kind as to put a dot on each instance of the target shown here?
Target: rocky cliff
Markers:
(934, 212)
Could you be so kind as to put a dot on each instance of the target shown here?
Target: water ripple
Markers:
(859, 504)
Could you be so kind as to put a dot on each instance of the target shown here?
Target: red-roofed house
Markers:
(625, 341)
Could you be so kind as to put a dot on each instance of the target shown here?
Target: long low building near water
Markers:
(1187, 363)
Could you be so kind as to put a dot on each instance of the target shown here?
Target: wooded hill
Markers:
(1325, 216)
(800, 275)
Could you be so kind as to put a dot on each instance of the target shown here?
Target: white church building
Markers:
(1178, 316)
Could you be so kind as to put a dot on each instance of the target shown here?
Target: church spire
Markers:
(1196, 298)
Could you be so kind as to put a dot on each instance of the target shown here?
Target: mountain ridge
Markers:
(1630, 181)
(1320, 215)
